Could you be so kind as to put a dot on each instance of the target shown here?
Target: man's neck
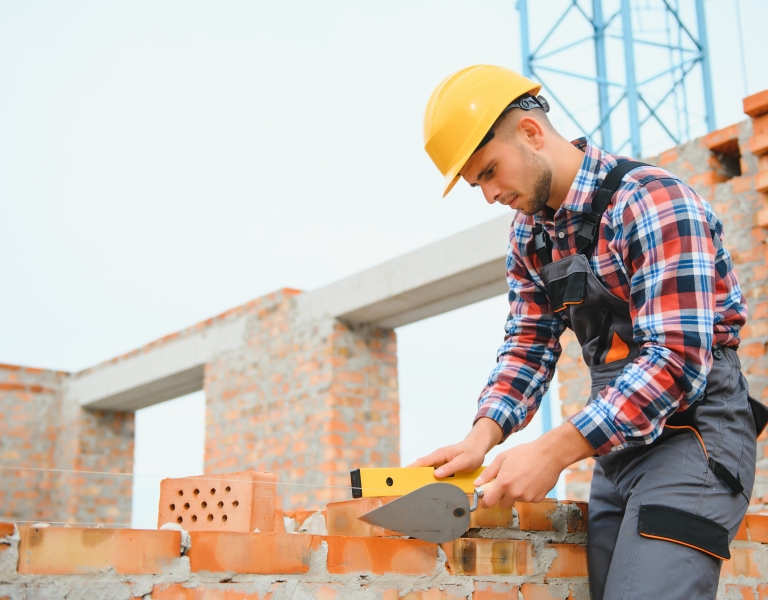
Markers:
(565, 166)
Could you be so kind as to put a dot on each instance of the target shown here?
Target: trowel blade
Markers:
(438, 513)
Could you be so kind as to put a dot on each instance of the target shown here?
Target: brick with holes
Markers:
(243, 501)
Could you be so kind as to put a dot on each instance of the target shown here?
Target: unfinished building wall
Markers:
(38, 430)
(729, 169)
(307, 400)
(29, 401)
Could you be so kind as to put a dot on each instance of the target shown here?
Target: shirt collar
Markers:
(587, 180)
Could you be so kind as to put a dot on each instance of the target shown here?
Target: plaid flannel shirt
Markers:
(660, 249)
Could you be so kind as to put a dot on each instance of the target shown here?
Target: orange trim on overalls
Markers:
(658, 537)
(698, 435)
(566, 304)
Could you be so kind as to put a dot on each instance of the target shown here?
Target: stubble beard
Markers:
(542, 174)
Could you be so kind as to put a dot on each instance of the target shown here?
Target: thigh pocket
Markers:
(681, 527)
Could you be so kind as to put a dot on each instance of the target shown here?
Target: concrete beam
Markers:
(454, 272)
(159, 373)
(462, 269)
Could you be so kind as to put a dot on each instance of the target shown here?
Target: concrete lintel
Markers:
(464, 268)
(161, 373)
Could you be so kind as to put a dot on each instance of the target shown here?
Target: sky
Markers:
(161, 162)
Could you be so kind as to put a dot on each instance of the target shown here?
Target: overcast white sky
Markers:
(161, 162)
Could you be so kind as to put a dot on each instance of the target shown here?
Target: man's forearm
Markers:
(565, 445)
(486, 433)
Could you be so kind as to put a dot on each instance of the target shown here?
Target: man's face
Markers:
(511, 174)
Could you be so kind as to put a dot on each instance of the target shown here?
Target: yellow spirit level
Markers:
(375, 483)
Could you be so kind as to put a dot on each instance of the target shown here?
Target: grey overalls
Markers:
(661, 516)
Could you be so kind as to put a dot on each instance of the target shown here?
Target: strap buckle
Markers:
(589, 226)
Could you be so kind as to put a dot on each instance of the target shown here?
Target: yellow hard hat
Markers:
(462, 110)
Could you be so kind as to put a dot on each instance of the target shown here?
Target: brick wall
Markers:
(29, 401)
(39, 429)
(728, 168)
(309, 400)
(527, 552)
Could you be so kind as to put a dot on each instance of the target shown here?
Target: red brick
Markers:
(448, 592)
(758, 144)
(241, 502)
(667, 157)
(380, 555)
(343, 518)
(762, 218)
(722, 138)
(64, 550)
(745, 592)
(757, 526)
(739, 186)
(756, 104)
(706, 178)
(760, 124)
(761, 181)
(741, 534)
(571, 561)
(6, 529)
(480, 556)
(536, 591)
(494, 591)
(259, 553)
(177, 591)
(743, 563)
(492, 517)
(536, 516)
(762, 591)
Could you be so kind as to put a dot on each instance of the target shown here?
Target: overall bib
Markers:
(661, 516)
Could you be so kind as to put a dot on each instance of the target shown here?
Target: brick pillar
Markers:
(39, 429)
(309, 401)
(29, 401)
(575, 385)
(93, 441)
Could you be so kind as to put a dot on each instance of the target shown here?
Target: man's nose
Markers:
(492, 194)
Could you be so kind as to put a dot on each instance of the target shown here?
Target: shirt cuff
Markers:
(597, 423)
(501, 413)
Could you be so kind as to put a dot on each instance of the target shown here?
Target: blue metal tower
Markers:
(625, 68)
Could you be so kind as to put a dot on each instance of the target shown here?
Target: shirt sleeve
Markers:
(527, 358)
(669, 249)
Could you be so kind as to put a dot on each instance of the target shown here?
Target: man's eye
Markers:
(489, 174)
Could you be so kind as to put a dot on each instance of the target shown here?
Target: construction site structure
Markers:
(664, 99)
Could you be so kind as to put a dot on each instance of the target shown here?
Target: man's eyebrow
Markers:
(482, 173)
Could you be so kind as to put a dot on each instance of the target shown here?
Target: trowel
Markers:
(437, 513)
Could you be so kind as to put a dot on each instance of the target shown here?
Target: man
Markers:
(633, 261)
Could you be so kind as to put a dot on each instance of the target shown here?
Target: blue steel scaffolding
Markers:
(594, 43)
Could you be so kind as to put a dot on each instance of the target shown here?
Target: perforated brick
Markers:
(243, 501)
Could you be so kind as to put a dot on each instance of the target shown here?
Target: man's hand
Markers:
(527, 472)
(468, 454)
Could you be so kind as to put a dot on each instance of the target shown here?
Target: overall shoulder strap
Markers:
(542, 244)
(590, 225)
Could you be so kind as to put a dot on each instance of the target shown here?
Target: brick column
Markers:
(310, 401)
(37, 429)
(93, 441)
(29, 401)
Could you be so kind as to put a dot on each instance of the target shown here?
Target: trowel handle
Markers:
(479, 493)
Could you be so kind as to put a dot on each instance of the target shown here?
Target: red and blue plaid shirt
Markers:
(660, 249)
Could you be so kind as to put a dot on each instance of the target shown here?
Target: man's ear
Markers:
(531, 132)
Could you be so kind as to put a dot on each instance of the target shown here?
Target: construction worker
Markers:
(632, 260)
